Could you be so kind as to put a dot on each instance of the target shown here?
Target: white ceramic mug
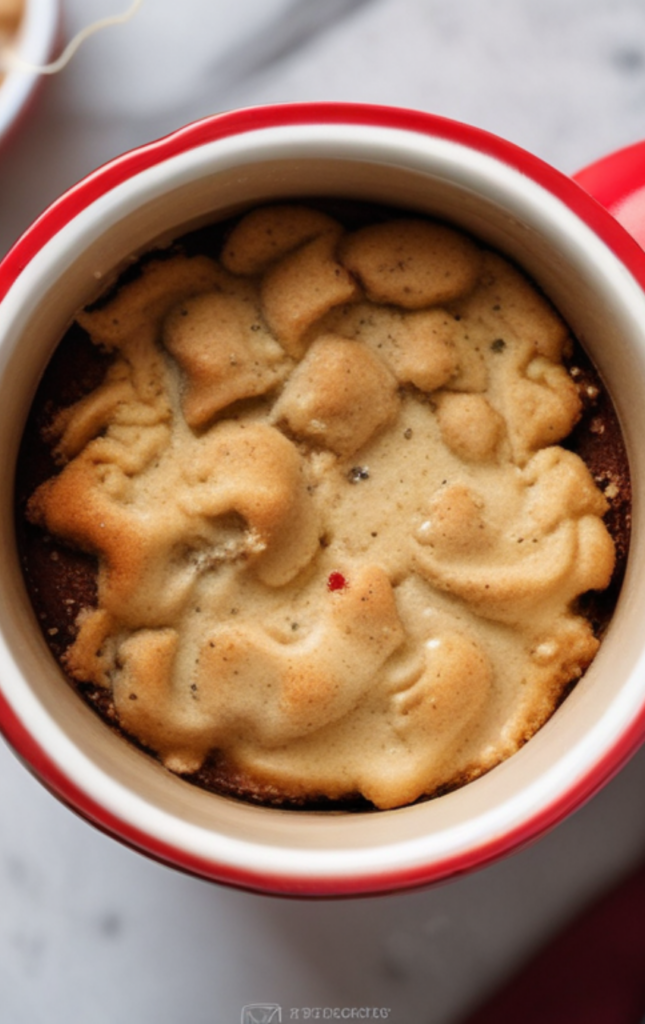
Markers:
(594, 273)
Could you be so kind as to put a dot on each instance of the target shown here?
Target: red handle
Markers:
(618, 182)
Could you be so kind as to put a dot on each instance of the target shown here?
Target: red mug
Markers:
(593, 271)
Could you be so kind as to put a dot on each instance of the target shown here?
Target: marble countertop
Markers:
(92, 932)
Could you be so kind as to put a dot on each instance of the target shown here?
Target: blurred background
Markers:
(91, 933)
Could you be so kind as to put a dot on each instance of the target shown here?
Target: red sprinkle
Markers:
(336, 581)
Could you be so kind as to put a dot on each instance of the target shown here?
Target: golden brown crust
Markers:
(236, 359)
(338, 542)
(339, 396)
(299, 289)
(413, 264)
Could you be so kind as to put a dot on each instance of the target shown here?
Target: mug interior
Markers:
(317, 853)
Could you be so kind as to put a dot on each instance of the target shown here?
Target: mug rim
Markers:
(193, 136)
(213, 127)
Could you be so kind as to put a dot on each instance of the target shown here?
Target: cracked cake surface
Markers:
(338, 544)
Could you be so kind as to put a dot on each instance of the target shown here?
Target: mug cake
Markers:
(323, 507)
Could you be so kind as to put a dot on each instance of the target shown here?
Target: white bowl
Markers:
(33, 44)
(595, 274)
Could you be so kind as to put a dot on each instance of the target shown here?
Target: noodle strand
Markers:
(9, 60)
